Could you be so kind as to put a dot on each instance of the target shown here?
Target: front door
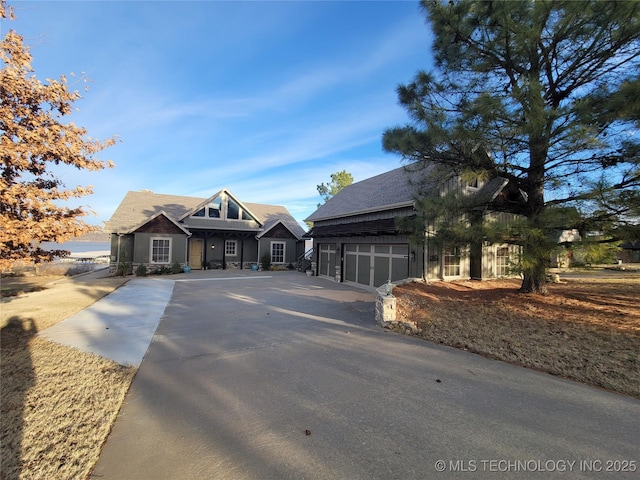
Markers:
(196, 248)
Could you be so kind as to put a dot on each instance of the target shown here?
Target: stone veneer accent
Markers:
(386, 313)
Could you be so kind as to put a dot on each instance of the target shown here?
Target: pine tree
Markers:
(339, 180)
(33, 138)
(551, 91)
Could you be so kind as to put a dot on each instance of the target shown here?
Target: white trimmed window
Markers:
(160, 250)
(277, 252)
(231, 248)
(502, 261)
(452, 262)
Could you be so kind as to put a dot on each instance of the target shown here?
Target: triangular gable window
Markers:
(233, 210)
(225, 208)
(215, 208)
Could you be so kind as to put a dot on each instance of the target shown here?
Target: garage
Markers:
(374, 264)
(327, 259)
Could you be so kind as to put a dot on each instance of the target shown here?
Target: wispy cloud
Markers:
(253, 96)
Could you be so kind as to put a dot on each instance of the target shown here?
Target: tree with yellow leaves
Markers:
(35, 136)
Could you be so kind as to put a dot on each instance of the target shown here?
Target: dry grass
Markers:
(58, 403)
(587, 331)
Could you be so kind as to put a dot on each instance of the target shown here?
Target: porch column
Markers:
(241, 253)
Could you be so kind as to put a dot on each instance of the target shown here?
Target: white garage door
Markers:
(373, 265)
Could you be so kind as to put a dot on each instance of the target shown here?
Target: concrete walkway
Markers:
(119, 326)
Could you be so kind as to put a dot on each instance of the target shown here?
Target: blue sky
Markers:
(264, 98)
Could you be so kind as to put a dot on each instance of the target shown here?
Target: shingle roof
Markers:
(382, 192)
(269, 215)
(393, 189)
(138, 207)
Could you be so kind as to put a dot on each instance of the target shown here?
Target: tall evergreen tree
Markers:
(551, 90)
(34, 137)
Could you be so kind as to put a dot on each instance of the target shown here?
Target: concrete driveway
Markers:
(288, 377)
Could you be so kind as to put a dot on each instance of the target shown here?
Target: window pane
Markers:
(160, 250)
(199, 213)
(233, 210)
(452, 262)
(277, 252)
(230, 247)
(214, 208)
(502, 261)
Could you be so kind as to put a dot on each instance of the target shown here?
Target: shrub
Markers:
(141, 271)
(161, 270)
(265, 261)
(176, 268)
(123, 269)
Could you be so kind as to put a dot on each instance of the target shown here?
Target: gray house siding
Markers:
(142, 250)
(134, 249)
(291, 249)
(121, 248)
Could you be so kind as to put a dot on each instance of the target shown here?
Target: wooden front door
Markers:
(196, 249)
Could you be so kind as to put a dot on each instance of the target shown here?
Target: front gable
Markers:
(160, 224)
(221, 207)
(278, 231)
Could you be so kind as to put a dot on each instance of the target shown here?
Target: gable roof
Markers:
(382, 192)
(395, 189)
(163, 214)
(138, 207)
(270, 215)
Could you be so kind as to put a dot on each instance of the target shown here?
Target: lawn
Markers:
(57, 403)
(586, 330)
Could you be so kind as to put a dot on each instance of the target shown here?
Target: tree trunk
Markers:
(535, 251)
(535, 279)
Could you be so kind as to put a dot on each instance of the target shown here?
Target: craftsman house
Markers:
(216, 232)
(357, 238)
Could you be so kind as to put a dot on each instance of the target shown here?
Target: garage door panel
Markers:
(364, 269)
(399, 269)
(350, 268)
(327, 259)
(380, 271)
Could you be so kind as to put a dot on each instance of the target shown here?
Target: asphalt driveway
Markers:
(289, 377)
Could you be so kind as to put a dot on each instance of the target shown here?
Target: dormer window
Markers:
(199, 213)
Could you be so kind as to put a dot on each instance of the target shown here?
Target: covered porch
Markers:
(222, 249)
